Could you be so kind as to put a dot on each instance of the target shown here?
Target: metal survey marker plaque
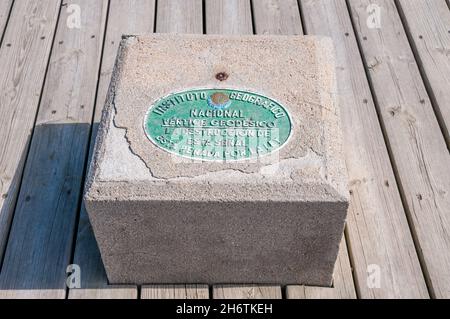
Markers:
(218, 124)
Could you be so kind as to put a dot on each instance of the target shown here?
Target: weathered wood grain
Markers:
(273, 17)
(277, 17)
(40, 243)
(5, 8)
(378, 231)
(228, 17)
(23, 61)
(246, 292)
(110, 292)
(175, 292)
(125, 17)
(179, 16)
(417, 145)
(428, 25)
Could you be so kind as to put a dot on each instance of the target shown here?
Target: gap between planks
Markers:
(5, 10)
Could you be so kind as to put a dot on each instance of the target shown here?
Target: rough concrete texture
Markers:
(158, 219)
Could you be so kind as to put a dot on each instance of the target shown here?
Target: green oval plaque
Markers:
(218, 124)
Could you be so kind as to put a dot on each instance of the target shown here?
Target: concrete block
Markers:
(219, 160)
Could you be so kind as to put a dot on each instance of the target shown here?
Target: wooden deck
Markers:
(394, 85)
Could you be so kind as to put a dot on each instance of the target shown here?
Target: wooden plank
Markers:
(271, 19)
(343, 286)
(380, 242)
(415, 139)
(109, 292)
(23, 62)
(175, 292)
(427, 24)
(228, 17)
(125, 17)
(41, 239)
(5, 8)
(277, 17)
(246, 292)
(179, 16)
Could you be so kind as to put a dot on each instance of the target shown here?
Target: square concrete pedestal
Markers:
(160, 216)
